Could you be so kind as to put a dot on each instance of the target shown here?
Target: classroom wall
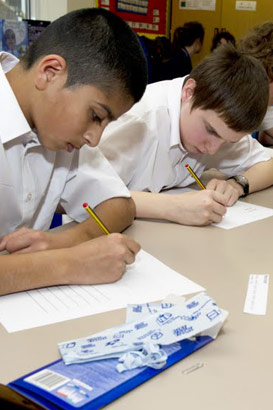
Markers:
(48, 10)
(79, 4)
(225, 15)
(238, 21)
(52, 9)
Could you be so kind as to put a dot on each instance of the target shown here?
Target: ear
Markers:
(188, 90)
(49, 69)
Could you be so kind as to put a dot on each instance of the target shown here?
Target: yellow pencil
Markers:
(202, 186)
(96, 218)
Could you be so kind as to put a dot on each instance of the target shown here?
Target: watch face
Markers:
(242, 180)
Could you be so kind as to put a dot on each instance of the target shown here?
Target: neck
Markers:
(190, 50)
(19, 80)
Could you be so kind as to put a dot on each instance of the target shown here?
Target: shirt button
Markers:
(28, 197)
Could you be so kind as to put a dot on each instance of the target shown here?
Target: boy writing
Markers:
(201, 120)
(85, 70)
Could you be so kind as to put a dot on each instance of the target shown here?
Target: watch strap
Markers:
(244, 185)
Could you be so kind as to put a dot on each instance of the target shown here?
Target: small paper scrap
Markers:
(256, 298)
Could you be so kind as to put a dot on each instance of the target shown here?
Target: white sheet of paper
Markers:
(242, 213)
(146, 280)
(256, 298)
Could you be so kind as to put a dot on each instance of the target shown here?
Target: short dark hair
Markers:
(98, 47)
(258, 43)
(233, 85)
(218, 37)
(186, 35)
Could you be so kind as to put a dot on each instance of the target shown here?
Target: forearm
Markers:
(260, 176)
(116, 214)
(33, 270)
(151, 205)
(102, 260)
(199, 207)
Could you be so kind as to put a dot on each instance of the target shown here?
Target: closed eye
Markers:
(96, 118)
(212, 131)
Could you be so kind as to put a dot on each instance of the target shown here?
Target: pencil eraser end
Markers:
(187, 165)
(85, 205)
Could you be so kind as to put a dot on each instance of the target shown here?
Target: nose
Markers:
(92, 137)
(214, 146)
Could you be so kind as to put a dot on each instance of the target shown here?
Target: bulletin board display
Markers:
(148, 17)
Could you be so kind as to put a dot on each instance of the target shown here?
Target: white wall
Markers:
(52, 9)
(79, 4)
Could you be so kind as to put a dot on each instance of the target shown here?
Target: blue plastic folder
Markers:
(94, 384)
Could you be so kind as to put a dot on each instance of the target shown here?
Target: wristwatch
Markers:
(243, 181)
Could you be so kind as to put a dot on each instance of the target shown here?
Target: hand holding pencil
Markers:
(220, 185)
(104, 259)
(210, 205)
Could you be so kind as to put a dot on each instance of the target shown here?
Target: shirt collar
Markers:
(13, 123)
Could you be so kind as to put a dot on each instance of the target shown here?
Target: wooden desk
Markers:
(237, 371)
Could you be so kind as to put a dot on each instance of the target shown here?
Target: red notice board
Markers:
(149, 17)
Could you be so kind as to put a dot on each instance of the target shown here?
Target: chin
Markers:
(51, 147)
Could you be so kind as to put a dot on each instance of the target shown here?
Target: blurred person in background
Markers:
(222, 37)
(258, 43)
(187, 40)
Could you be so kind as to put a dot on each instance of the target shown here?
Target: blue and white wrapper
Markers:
(153, 326)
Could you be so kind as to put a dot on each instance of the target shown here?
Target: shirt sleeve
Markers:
(123, 144)
(233, 159)
(91, 179)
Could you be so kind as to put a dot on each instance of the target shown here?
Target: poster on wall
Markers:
(149, 17)
(17, 36)
(197, 4)
(35, 28)
(14, 37)
(246, 5)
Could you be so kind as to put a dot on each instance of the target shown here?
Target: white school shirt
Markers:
(144, 145)
(34, 180)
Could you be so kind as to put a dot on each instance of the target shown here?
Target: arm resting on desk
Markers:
(260, 176)
(200, 207)
(101, 260)
(116, 213)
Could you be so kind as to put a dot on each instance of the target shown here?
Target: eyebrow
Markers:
(211, 129)
(109, 112)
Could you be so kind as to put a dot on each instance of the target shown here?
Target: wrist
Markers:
(241, 184)
(237, 186)
(67, 265)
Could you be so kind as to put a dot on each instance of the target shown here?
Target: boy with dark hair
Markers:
(258, 43)
(86, 69)
(201, 120)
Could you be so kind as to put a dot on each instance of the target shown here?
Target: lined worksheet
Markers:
(146, 280)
